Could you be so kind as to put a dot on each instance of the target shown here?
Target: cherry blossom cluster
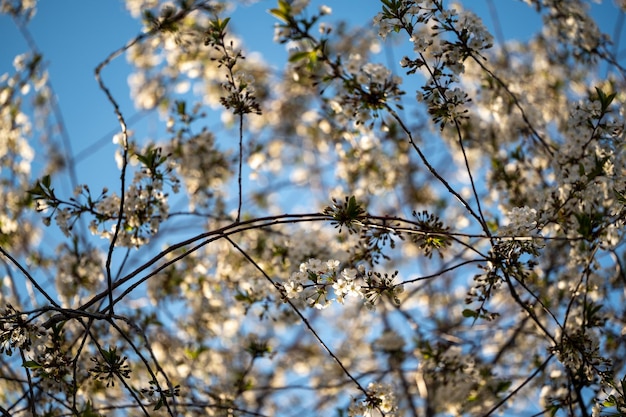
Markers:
(362, 88)
(50, 363)
(16, 333)
(321, 276)
(366, 89)
(522, 221)
(380, 401)
(442, 40)
(79, 272)
(571, 22)
(203, 169)
(145, 202)
(17, 155)
(314, 278)
(239, 87)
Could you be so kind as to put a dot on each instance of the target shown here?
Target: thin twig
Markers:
(525, 307)
(483, 222)
(29, 277)
(517, 104)
(441, 272)
(143, 359)
(240, 165)
(124, 144)
(31, 394)
(229, 229)
(519, 388)
(299, 313)
(432, 169)
(180, 15)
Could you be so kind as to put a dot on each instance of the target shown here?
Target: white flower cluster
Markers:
(24, 8)
(203, 168)
(16, 132)
(321, 276)
(475, 36)
(522, 221)
(78, 273)
(443, 42)
(145, 203)
(365, 170)
(136, 7)
(370, 88)
(478, 38)
(387, 24)
(14, 337)
(298, 6)
(571, 21)
(53, 368)
(15, 333)
(147, 92)
(145, 208)
(380, 401)
(312, 281)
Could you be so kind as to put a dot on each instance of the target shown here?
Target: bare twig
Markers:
(28, 276)
(519, 387)
(240, 166)
(299, 313)
(124, 143)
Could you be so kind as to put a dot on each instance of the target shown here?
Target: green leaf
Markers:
(470, 313)
(354, 209)
(45, 181)
(295, 57)
(283, 11)
(284, 5)
(37, 190)
(554, 409)
(503, 386)
(346, 214)
(43, 188)
(587, 225)
(620, 195)
(32, 365)
(223, 23)
(148, 15)
(605, 99)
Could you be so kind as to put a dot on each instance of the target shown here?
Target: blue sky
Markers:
(74, 36)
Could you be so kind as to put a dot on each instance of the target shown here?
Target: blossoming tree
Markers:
(438, 234)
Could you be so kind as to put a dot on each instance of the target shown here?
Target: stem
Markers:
(29, 277)
(179, 16)
(518, 389)
(30, 393)
(299, 313)
(122, 122)
(434, 171)
(240, 164)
